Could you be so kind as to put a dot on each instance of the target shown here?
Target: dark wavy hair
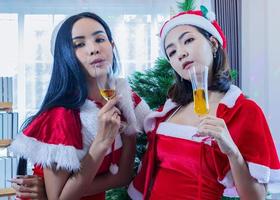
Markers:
(181, 91)
(67, 87)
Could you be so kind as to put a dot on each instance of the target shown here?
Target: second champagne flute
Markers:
(199, 78)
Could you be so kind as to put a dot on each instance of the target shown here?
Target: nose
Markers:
(93, 49)
(183, 53)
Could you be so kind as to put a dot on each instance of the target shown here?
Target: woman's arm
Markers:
(33, 187)
(123, 177)
(103, 182)
(246, 185)
(248, 188)
(59, 184)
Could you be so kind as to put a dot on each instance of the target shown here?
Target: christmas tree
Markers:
(152, 85)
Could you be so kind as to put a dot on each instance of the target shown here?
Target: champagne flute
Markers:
(199, 78)
(106, 82)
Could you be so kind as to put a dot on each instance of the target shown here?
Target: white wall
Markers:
(261, 58)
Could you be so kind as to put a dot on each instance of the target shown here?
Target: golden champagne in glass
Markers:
(107, 94)
(106, 80)
(201, 106)
(199, 78)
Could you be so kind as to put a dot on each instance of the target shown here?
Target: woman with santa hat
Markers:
(195, 157)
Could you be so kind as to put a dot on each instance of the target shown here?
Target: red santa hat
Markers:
(200, 18)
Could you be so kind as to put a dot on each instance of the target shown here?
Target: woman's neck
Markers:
(215, 96)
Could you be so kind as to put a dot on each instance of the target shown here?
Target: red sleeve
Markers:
(250, 132)
(53, 137)
(57, 126)
(136, 99)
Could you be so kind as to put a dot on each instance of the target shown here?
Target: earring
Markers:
(215, 53)
(181, 79)
(215, 49)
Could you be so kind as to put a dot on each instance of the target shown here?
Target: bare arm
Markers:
(248, 188)
(59, 184)
(123, 177)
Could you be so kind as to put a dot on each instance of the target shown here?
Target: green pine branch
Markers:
(153, 84)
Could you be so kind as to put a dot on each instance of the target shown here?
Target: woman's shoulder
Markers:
(57, 120)
(60, 110)
(248, 105)
(58, 114)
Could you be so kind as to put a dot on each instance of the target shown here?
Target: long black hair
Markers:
(181, 91)
(68, 86)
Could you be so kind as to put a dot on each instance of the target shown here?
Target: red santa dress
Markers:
(63, 136)
(180, 165)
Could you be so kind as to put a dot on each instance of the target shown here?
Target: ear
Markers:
(214, 43)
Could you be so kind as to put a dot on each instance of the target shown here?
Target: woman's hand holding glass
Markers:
(30, 187)
(210, 126)
(109, 121)
(106, 82)
(216, 128)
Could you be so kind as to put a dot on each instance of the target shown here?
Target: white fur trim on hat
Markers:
(188, 19)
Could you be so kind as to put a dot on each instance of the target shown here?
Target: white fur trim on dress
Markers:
(65, 157)
(229, 100)
(126, 105)
(142, 110)
(149, 121)
(230, 192)
(88, 115)
(231, 96)
(180, 131)
(264, 174)
(261, 173)
(133, 193)
(68, 157)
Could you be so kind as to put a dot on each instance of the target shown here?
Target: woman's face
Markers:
(92, 46)
(184, 46)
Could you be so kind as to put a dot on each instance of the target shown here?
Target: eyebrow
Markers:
(93, 34)
(180, 37)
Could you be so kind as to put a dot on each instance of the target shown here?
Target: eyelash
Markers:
(186, 42)
(171, 53)
(82, 44)
(79, 45)
(98, 40)
(189, 40)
